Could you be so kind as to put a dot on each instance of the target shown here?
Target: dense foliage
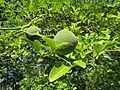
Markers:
(28, 61)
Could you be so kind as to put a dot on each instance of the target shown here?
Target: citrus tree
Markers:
(60, 44)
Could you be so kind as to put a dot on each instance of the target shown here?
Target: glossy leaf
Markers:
(51, 43)
(98, 48)
(61, 45)
(80, 63)
(37, 45)
(58, 71)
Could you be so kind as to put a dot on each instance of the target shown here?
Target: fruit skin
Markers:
(32, 31)
(33, 37)
(65, 36)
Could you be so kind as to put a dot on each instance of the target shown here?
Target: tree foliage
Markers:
(28, 60)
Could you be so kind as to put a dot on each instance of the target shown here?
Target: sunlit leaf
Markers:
(30, 5)
(51, 43)
(111, 5)
(80, 63)
(37, 45)
(58, 71)
(61, 45)
(98, 48)
(106, 32)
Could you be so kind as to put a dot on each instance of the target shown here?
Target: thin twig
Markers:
(19, 27)
(64, 60)
(10, 28)
(113, 50)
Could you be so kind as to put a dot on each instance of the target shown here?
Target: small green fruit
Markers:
(31, 33)
(33, 30)
(65, 36)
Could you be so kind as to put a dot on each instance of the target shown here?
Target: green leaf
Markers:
(2, 2)
(112, 16)
(80, 63)
(111, 5)
(30, 6)
(60, 48)
(97, 49)
(27, 40)
(37, 45)
(58, 71)
(51, 43)
(111, 44)
(106, 32)
(23, 2)
(61, 45)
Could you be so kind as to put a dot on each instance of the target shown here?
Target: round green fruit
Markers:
(65, 36)
(31, 33)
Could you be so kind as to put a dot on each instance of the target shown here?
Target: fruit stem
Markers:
(64, 60)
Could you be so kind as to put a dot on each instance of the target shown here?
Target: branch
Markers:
(64, 60)
(19, 27)
(10, 28)
(113, 50)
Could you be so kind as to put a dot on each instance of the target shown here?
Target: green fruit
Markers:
(33, 30)
(65, 36)
(31, 33)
